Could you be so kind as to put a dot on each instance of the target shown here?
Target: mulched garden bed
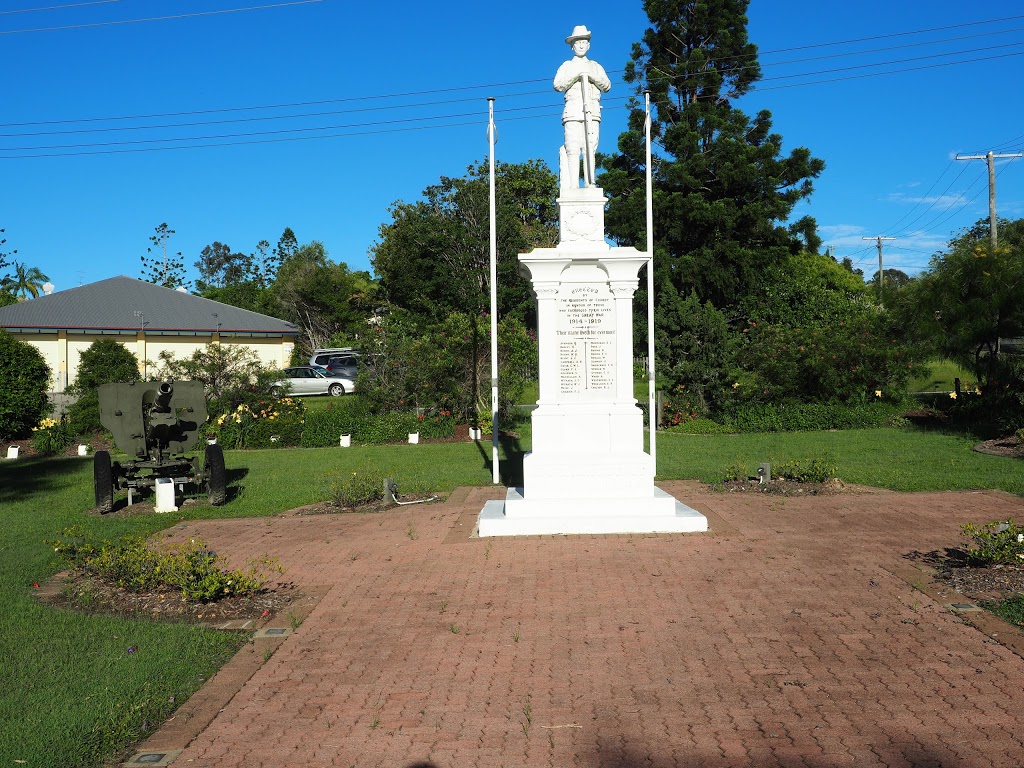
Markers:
(83, 592)
(1003, 446)
(961, 582)
(780, 487)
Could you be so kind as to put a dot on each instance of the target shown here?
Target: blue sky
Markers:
(389, 91)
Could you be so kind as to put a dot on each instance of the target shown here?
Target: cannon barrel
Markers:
(165, 392)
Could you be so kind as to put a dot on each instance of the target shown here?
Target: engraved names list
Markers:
(586, 341)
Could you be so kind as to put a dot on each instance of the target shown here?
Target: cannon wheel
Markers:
(216, 475)
(103, 479)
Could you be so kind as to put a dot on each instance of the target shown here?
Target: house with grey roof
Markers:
(146, 318)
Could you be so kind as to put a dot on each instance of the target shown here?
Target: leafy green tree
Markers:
(163, 269)
(445, 366)
(324, 298)
(697, 345)
(972, 296)
(219, 267)
(24, 382)
(815, 333)
(25, 281)
(104, 361)
(723, 189)
(231, 375)
(433, 258)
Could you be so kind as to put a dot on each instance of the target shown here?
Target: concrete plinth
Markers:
(518, 516)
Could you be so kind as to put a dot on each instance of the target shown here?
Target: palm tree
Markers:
(26, 280)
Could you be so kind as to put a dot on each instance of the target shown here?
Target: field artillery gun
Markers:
(156, 424)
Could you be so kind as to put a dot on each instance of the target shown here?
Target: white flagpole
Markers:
(494, 296)
(652, 411)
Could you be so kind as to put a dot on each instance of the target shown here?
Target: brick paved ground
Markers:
(780, 638)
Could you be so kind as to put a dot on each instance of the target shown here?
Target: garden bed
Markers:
(84, 592)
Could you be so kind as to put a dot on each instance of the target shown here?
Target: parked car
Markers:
(321, 356)
(341, 361)
(307, 380)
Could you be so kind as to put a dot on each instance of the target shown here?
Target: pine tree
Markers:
(723, 190)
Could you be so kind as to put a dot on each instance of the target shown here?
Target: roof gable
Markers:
(112, 304)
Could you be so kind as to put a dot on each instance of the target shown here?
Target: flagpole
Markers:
(494, 294)
(652, 411)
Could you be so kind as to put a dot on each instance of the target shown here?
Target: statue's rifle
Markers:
(588, 172)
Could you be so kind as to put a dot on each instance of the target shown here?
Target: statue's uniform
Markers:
(572, 115)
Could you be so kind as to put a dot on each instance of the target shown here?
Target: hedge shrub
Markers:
(797, 417)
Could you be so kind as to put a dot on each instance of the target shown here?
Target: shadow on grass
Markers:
(510, 469)
(20, 478)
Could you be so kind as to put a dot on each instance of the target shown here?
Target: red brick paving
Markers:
(779, 638)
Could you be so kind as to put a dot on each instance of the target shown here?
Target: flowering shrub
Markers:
(261, 424)
(51, 437)
(996, 542)
(680, 406)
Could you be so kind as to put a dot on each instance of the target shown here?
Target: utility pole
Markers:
(991, 158)
(881, 273)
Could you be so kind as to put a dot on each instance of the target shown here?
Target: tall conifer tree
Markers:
(723, 190)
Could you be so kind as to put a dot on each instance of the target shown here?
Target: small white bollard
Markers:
(165, 495)
(12, 451)
(414, 437)
(476, 433)
(83, 450)
(345, 441)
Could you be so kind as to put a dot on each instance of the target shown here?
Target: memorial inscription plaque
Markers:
(586, 341)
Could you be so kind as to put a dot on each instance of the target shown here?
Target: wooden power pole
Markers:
(881, 273)
(991, 158)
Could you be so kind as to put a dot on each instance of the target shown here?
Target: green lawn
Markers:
(900, 459)
(70, 689)
(940, 378)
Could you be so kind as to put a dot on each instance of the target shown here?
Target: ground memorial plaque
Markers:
(587, 472)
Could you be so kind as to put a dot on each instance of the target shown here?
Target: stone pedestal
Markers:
(588, 472)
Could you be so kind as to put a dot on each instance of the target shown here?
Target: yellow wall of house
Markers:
(62, 351)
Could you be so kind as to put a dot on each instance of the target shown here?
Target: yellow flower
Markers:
(878, 393)
(952, 395)
(736, 385)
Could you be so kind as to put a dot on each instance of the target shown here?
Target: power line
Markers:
(158, 18)
(506, 84)
(59, 7)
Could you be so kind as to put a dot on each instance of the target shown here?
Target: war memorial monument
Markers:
(588, 471)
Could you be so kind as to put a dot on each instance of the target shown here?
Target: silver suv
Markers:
(340, 360)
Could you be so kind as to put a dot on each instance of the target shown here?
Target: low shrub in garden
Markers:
(995, 542)
(51, 437)
(132, 564)
(816, 470)
(356, 489)
(699, 426)
(324, 427)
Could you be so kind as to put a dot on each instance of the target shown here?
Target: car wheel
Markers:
(276, 391)
(336, 390)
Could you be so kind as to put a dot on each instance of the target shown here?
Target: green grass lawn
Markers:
(940, 378)
(71, 691)
(900, 459)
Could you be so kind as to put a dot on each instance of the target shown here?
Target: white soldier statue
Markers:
(582, 81)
